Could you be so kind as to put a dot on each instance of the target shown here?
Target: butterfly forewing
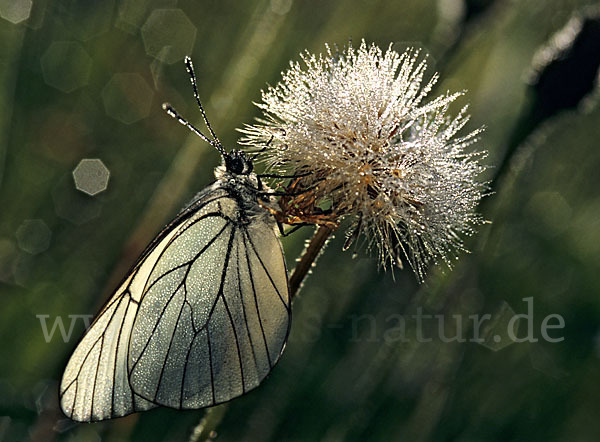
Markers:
(95, 384)
(202, 318)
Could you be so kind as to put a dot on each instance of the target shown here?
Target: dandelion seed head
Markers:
(373, 149)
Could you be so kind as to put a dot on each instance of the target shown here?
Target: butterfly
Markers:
(204, 314)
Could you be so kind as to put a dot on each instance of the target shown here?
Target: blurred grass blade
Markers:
(11, 37)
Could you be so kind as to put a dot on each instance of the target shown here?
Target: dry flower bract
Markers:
(357, 129)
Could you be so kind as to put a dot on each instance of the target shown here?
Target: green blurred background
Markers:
(85, 80)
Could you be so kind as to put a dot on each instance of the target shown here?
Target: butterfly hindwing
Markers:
(95, 384)
(212, 325)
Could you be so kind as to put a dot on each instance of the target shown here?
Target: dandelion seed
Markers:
(356, 128)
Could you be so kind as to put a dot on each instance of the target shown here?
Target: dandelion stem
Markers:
(206, 428)
(308, 258)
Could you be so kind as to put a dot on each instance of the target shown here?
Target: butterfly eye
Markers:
(237, 164)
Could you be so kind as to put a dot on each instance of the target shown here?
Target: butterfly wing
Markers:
(175, 335)
(211, 324)
(95, 385)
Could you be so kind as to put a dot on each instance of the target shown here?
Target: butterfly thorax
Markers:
(251, 196)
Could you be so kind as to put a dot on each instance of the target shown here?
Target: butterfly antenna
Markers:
(190, 70)
(173, 113)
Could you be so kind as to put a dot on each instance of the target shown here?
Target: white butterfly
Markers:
(201, 318)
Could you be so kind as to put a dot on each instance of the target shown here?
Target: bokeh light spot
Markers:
(91, 176)
(15, 11)
(33, 236)
(66, 66)
(168, 35)
(127, 98)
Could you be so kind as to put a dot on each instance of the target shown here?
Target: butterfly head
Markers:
(237, 163)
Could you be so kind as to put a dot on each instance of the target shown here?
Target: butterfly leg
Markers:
(292, 230)
(274, 175)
